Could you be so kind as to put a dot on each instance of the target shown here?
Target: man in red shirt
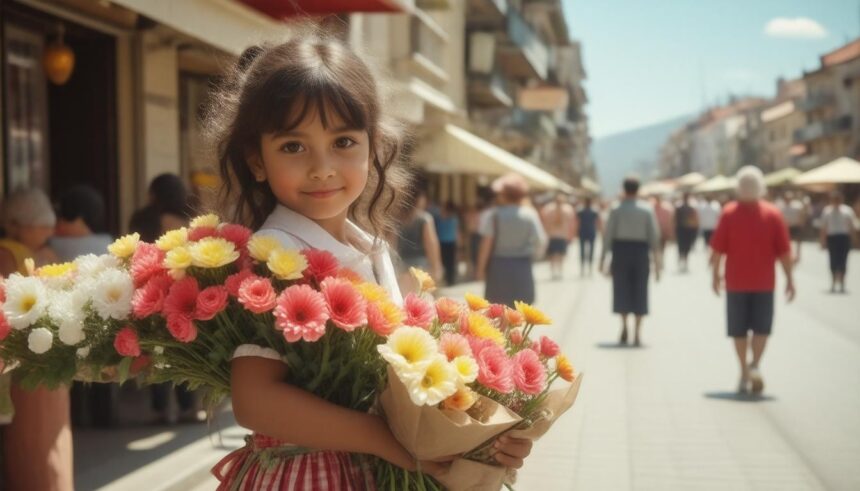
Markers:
(752, 236)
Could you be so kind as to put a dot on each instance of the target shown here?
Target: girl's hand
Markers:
(511, 452)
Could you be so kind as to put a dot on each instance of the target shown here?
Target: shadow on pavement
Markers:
(617, 346)
(735, 396)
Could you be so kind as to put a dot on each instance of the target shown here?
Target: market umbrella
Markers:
(690, 180)
(716, 184)
(843, 170)
(781, 177)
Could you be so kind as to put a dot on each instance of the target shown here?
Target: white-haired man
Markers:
(752, 236)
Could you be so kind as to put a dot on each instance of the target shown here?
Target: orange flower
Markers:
(513, 317)
(532, 315)
(462, 400)
(350, 276)
(425, 281)
(475, 302)
(384, 317)
(564, 368)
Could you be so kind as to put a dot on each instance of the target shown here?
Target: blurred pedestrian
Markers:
(418, 245)
(511, 237)
(838, 227)
(80, 230)
(37, 445)
(588, 224)
(558, 222)
(168, 209)
(686, 230)
(472, 221)
(752, 236)
(665, 214)
(709, 216)
(795, 215)
(448, 230)
(631, 234)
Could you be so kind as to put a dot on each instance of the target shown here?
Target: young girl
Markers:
(307, 157)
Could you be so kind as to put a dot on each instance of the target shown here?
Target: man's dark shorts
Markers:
(749, 311)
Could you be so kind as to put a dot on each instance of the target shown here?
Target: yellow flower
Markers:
(287, 264)
(208, 220)
(372, 292)
(212, 252)
(462, 400)
(437, 383)
(425, 281)
(178, 258)
(172, 239)
(409, 350)
(393, 314)
(475, 302)
(260, 246)
(56, 270)
(532, 315)
(564, 368)
(481, 327)
(125, 246)
(467, 368)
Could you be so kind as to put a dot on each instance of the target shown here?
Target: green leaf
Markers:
(123, 369)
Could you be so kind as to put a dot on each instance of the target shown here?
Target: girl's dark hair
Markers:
(273, 88)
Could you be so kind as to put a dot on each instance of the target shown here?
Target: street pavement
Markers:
(664, 416)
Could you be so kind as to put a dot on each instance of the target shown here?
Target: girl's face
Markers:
(313, 170)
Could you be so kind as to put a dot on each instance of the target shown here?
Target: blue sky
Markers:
(651, 60)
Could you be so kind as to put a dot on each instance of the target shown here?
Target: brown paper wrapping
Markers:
(430, 433)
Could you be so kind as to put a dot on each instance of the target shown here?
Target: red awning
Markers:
(280, 9)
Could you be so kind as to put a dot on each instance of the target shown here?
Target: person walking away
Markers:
(37, 444)
(588, 224)
(795, 216)
(631, 234)
(558, 222)
(418, 245)
(751, 235)
(709, 216)
(665, 214)
(686, 230)
(838, 227)
(512, 236)
(168, 209)
(448, 230)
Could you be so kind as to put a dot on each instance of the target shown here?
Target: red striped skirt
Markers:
(268, 464)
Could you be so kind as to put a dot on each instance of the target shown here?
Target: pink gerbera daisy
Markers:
(453, 345)
(346, 307)
(182, 298)
(301, 313)
(419, 313)
(321, 265)
(146, 263)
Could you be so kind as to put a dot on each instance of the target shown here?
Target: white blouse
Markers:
(366, 256)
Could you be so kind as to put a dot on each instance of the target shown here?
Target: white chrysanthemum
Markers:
(71, 332)
(90, 265)
(158, 350)
(83, 352)
(466, 367)
(436, 383)
(40, 340)
(26, 300)
(112, 294)
(409, 350)
(65, 311)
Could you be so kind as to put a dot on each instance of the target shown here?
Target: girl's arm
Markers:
(262, 402)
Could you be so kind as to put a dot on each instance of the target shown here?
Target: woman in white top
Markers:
(838, 224)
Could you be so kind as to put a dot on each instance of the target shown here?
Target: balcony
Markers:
(282, 9)
(428, 46)
(484, 14)
(817, 100)
(526, 56)
(490, 90)
(822, 129)
(534, 123)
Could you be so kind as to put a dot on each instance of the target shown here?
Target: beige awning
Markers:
(716, 184)
(690, 180)
(455, 150)
(589, 185)
(843, 170)
(657, 188)
(781, 177)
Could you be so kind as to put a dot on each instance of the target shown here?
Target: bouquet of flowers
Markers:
(61, 321)
(462, 376)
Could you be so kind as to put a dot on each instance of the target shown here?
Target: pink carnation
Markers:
(453, 345)
(149, 299)
(126, 343)
(495, 369)
(548, 347)
(346, 307)
(529, 372)
(181, 327)
(237, 234)
(419, 313)
(234, 281)
(5, 328)
(478, 344)
(516, 336)
(496, 311)
(210, 302)
(321, 265)
(182, 298)
(301, 313)
(257, 294)
(146, 263)
(448, 310)
(198, 233)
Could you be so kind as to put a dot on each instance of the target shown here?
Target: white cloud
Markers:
(797, 28)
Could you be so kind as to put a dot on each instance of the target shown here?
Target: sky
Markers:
(648, 61)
